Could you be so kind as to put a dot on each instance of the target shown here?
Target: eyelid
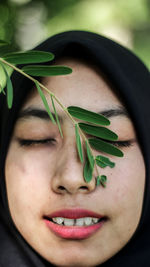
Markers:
(126, 143)
(119, 143)
(29, 142)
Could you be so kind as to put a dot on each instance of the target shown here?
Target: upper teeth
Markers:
(75, 222)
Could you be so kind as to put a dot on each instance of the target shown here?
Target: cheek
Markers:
(28, 183)
(126, 185)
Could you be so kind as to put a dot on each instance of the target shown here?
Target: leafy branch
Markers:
(84, 121)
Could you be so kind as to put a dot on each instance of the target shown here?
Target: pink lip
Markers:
(74, 232)
(74, 214)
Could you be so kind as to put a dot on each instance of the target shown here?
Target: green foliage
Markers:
(121, 21)
(2, 42)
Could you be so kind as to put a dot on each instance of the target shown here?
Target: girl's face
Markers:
(44, 176)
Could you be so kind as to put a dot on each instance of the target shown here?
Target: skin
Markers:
(44, 178)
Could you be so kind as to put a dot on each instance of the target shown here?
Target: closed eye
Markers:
(125, 143)
(32, 142)
(120, 143)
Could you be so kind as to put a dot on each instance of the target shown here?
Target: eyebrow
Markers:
(42, 114)
(30, 112)
(114, 112)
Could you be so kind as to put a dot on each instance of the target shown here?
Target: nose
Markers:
(68, 178)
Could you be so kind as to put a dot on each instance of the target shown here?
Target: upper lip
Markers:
(74, 214)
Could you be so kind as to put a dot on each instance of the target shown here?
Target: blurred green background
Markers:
(25, 23)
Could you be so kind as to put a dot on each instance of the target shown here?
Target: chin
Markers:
(73, 264)
(75, 261)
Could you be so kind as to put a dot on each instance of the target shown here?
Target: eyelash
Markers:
(51, 141)
(120, 143)
(30, 142)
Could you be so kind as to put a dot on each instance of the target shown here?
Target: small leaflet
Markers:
(43, 71)
(103, 162)
(88, 171)
(78, 142)
(56, 116)
(89, 154)
(28, 57)
(100, 145)
(88, 116)
(9, 87)
(45, 103)
(98, 131)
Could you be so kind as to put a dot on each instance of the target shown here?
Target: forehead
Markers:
(85, 87)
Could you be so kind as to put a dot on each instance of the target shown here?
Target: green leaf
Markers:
(101, 145)
(5, 49)
(1, 89)
(98, 181)
(104, 162)
(28, 57)
(98, 131)
(56, 116)
(9, 88)
(103, 180)
(9, 92)
(43, 71)
(88, 171)
(78, 142)
(45, 102)
(2, 42)
(89, 154)
(88, 116)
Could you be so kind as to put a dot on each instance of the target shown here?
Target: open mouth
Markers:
(74, 229)
(75, 224)
(86, 221)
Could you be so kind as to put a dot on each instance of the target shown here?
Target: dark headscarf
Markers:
(131, 79)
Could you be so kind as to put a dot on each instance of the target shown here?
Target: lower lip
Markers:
(73, 232)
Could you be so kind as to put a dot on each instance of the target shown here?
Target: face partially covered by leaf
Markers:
(90, 131)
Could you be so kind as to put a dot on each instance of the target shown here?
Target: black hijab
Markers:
(132, 80)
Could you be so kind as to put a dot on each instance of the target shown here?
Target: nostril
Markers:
(62, 188)
(83, 187)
